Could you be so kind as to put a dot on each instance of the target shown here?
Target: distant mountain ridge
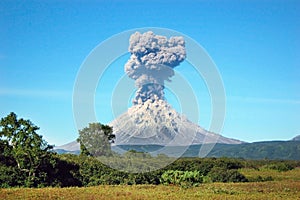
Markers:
(71, 146)
(283, 150)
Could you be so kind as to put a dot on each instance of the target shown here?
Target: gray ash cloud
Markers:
(152, 60)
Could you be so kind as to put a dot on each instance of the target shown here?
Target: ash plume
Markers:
(152, 60)
(151, 119)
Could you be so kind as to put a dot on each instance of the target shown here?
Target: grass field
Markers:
(292, 175)
(286, 185)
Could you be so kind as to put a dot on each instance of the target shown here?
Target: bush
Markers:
(281, 167)
(228, 163)
(260, 179)
(10, 177)
(182, 178)
(218, 174)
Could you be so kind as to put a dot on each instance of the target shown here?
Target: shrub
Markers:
(182, 178)
(218, 174)
(281, 167)
(10, 177)
(260, 179)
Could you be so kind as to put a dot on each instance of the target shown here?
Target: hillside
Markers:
(285, 150)
(156, 122)
(71, 147)
(297, 138)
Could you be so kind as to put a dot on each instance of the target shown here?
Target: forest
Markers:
(26, 160)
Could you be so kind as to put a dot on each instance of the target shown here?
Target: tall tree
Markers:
(96, 139)
(28, 148)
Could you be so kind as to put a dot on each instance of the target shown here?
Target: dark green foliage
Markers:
(26, 160)
(260, 179)
(288, 150)
(10, 176)
(280, 166)
(65, 173)
(23, 151)
(96, 140)
(217, 170)
(228, 163)
(218, 174)
(274, 150)
(93, 172)
(83, 149)
(204, 165)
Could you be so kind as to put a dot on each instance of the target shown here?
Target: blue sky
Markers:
(255, 45)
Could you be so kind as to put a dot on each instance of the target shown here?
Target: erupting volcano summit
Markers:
(151, 120)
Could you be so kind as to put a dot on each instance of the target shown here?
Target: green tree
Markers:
(96, 140)
(27, 148)
(83, 149)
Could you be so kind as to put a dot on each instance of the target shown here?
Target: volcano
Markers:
(156, 122)
(151, 120)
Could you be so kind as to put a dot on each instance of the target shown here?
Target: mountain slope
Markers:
(156, 122)
(71, 147)
(286, 150)
(283, 150)
(297, 138)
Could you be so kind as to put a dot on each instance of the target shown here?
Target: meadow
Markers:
(285, 185)
(29, 169)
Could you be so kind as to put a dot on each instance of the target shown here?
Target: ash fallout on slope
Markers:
(152, 60)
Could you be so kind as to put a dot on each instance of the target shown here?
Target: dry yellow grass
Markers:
(277, 176)
(286, 185)
(264, 190)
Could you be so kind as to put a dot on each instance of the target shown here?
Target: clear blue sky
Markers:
(255, 45)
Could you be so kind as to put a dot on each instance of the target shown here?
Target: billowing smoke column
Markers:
(152, 60)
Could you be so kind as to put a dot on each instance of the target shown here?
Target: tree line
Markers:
(27, 160)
